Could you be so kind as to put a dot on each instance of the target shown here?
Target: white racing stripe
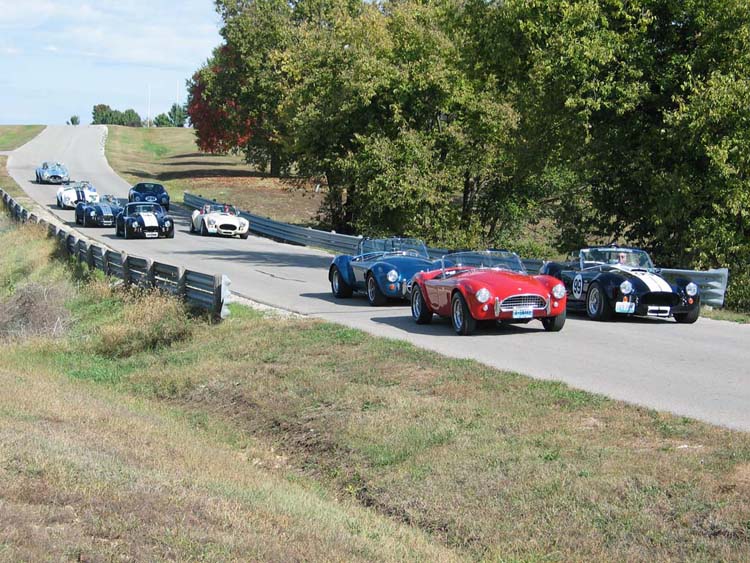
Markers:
(149, 220)
(654, 282)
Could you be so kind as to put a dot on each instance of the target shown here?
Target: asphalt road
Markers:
(698, 370)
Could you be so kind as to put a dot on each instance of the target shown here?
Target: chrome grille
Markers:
(526, 300)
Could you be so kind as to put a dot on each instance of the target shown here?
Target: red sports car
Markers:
(487, 286)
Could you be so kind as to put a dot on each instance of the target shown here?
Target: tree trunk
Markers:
(275, 163)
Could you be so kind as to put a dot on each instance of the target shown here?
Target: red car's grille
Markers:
(533, 301)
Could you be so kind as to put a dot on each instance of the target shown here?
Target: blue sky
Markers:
(59, 58)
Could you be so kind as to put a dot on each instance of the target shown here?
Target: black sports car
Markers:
(101, 214)
(144, 220)
(613, 280)
(147, 191)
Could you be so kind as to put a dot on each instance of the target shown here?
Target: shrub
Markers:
(151, 320)
(738, 292)
(35, 310)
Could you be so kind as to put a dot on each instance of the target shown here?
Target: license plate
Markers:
(151, 235)
(523, 312)
(625, 307)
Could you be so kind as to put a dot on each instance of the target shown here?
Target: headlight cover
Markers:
(626, 287)
(691, 289)
(92, 213)
(558, 291)
(167, 223)
(392, 276)
(483, 295)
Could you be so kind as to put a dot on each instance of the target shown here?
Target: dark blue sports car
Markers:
(144, 220)
(382, 268)
(613, 280)
(148, 191)
(98, 214)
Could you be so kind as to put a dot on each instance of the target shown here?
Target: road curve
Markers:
(698, 370)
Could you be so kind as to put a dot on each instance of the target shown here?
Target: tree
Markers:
(162, 120)
(177, 115)
(74, 120)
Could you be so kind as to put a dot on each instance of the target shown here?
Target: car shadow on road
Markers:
(582, 316)
(443, 327)
(358, 300)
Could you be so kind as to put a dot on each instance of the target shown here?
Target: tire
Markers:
(688, 318)
(59, 203)
(339, 287)
(204, 229)
(421, 314)
(84, 221)
(554, 324)
(171, 234)
(192, 228)
(463, 323)
(597, 304)
(125, 230)
(374, 295)
(244, 236)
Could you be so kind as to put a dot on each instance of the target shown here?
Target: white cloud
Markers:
(10, 51)
(51, 49)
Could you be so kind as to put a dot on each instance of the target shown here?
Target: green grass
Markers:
(725, 315)
(13, 136)
(356, 447)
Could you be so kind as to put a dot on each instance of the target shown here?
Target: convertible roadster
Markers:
(101, 214)
(219, 219)
(382, 268)
(150, 192)
(487, 285)
(71, 193)
(144, 220)
(52, 173)
(613, 280)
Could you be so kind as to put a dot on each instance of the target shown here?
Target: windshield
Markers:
(220, 208)
(134, 208)
(498, 259)
(111, 199)
(625, 257)
(411, 246)
(149, 188)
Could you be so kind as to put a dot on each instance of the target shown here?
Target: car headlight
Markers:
(392, 276)
(211, 222)
(691, 289)
(626, 287)
(92, 213)
(167, 223)
(558, 291)
(483, 295)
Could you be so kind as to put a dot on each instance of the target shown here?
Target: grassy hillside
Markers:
(132, 429)
(169, 155)
(13, 136)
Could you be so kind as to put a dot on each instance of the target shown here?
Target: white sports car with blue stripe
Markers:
(72, 193)
(610, 281)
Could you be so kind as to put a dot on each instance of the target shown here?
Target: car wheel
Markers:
(374, 295)
(554, 324)
(244, 236)
(204, 229)
(687, 318)
(125, 231)
(421, 314)
(597, 304)
(85, 221)
(339, 287)
(463, 323)
(171, 234)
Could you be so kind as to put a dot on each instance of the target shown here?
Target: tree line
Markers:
(465, 121)
(102, 114)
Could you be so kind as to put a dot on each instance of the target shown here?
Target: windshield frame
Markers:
(131, 207)
(394, 246)
(596, 256)
(500, 260)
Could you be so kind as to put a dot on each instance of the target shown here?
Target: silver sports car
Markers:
(52, 173)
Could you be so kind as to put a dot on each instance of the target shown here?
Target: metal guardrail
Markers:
(713, 283)
(199, 290)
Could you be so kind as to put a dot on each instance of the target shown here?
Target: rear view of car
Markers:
(149, 192)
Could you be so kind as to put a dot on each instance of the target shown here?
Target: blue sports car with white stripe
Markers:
(144, 220)
(610, 281)
(101, 214)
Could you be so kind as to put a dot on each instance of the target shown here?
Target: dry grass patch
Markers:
(170, 156)
(496, 465)
(91, 475)
(11, 187)
(13, 136)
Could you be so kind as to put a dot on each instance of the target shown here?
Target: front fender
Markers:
(343, 263)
